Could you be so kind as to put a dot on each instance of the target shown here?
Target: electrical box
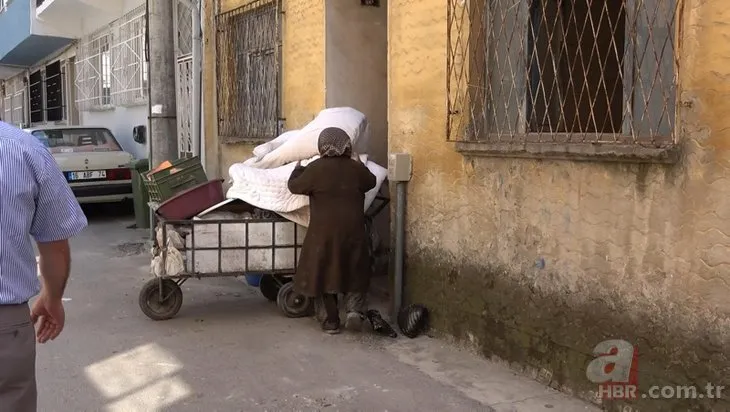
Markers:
(400, 167)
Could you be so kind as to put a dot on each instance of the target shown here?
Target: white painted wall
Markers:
(74, 19)
(120, 121)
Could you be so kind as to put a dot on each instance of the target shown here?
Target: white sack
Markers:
(268, 189)
(264, 149)
(304, 143)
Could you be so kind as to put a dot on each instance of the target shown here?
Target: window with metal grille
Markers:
(36, 97)
(54, 93)
(128, 63)
(16, 90)
(93, 72)
(562, 71)
(7, 95)
(184, 78)
(248, 40)
(4, 4)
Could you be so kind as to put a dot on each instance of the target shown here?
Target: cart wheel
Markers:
(149, 299)
(269, 287)
(293, 304)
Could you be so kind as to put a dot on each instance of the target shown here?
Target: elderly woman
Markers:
(335, 257)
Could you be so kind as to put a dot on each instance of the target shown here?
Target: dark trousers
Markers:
(17, 360)
(332, 311)
(327, 305)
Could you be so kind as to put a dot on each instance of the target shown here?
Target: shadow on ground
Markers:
(100, 212)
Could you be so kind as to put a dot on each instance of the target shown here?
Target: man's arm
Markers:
(55, 266)
(57, 218)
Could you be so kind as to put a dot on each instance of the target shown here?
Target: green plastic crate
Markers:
(162, 185)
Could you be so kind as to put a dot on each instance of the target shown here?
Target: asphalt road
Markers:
(231, 350)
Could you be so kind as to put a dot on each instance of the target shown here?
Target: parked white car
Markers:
(95, 166)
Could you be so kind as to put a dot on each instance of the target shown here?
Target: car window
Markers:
(77, 140)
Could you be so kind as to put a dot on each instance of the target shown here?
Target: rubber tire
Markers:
(269, 287)
(293, 304)
(149, 298)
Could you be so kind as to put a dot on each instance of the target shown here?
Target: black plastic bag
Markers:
(413, 320)
(380, 326)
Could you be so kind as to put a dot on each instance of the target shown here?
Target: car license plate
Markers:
(87, 175)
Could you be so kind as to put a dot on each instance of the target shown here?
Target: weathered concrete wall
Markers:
(536, 261)
(303, 76)
(357, 66)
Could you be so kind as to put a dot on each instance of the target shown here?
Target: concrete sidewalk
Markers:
(231, 350)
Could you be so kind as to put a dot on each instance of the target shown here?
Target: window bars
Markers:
(184, 78)
(7, 105)
(111, 68)
(4, 4)
(248, 40)
(93, 72)
(55, 103)
(562, 71)
(14, 101)
(184, 86)
(35, 91)
(128, 67)
(183, 29)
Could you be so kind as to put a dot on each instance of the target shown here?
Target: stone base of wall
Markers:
(552, 335)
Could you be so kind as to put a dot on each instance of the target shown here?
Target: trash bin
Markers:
(141, 195)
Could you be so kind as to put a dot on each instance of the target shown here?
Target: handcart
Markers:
(262, 252)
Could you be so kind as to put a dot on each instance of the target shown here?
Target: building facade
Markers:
(570, 161)
(77, 62)
(271, 66)
(570, 167)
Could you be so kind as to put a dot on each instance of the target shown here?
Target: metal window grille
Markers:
(55, 107)
(248, 40)
(19, 103)
(129, 66)
(8, 102)
(37, 105)
(184, 78)
(183, 29)
(184, 86)
(4, 4)
(93, 77)
(562, 71)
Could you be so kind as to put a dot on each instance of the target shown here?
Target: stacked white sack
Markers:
(262, 180)
(302, 144)
(268, 188)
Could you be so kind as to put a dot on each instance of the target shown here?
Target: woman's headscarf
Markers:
(334, 142)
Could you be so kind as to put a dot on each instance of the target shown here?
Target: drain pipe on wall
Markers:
(399, 172)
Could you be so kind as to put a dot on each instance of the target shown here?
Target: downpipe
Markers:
(400, 244)
(399, 172)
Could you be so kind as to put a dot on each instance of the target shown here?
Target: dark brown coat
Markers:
(335, 255)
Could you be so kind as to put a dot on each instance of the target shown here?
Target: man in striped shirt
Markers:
(37, 204)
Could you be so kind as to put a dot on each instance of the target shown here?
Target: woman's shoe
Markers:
(354, 321)
(331, 327)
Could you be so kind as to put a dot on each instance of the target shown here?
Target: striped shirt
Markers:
(35, 203)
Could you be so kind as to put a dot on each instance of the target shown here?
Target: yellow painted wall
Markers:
(303, 75)
(537, 261)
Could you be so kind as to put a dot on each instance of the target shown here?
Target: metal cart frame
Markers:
(161, 297)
